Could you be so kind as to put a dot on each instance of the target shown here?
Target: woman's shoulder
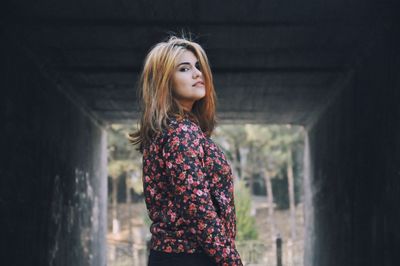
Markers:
(182, 123)
(182, 127)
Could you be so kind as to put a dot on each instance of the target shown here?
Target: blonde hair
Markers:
(156, 93)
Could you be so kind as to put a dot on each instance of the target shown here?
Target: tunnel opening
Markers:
(267, 163)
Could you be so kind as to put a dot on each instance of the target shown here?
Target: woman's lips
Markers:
(200, 83)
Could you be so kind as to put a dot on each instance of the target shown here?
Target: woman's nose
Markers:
(196, 72)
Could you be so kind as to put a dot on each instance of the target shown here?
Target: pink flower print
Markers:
(156, 148)
(210, 230)
(212, 251)
(179, 159)
(172, 215)
(175, 141)
(192, 207)
(201, 226)
(186, 165)
(180, 233)
(211, 215)
(225, 169)
(202, 208)
(198, 192)
(215, 178)
(181, 189)
(184, 127)
(223, 197)
(182, 176)
(201, 151)
(227, 250)
(200, 173)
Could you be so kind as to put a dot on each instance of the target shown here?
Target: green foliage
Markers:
(146, 219)
(119, 147)
(123, 158)
(246, 224)
(257, 150)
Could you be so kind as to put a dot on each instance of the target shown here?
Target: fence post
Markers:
(279, 251)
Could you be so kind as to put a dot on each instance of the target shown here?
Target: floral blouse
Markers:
(189, 194)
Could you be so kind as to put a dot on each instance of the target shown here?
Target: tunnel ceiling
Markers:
(273, 61)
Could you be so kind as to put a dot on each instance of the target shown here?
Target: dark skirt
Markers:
(158, 258)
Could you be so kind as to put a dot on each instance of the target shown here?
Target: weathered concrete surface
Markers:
(53, 171)
(354, 151)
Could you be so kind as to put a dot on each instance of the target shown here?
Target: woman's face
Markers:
(187, 80)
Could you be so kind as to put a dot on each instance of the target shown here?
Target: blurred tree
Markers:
(291, 138)
(232, 139)
(263, 150)
(245, 229)
(123, 160)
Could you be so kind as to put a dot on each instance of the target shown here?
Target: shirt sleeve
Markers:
(184, 166)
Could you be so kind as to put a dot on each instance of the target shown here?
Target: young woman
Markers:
(188, 184)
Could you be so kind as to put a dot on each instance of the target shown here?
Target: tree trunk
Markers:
(128, 182)
(129, 206)
(115, 223)
(238, 160)
(250, 170)
(270, 200)
(291, 195)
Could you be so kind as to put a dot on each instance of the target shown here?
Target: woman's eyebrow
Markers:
(186, 63)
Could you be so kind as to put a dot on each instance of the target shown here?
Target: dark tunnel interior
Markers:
(70, 68)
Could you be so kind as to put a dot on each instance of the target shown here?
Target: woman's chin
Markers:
(201, 97)
(202, 94)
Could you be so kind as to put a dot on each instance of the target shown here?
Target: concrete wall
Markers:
(53, 171)
(354, 167)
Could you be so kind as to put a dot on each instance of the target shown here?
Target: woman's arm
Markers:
(193, 202)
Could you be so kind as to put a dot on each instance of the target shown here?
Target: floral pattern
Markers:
(188, 187)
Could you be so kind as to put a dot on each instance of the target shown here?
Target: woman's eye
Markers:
(184, 69)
